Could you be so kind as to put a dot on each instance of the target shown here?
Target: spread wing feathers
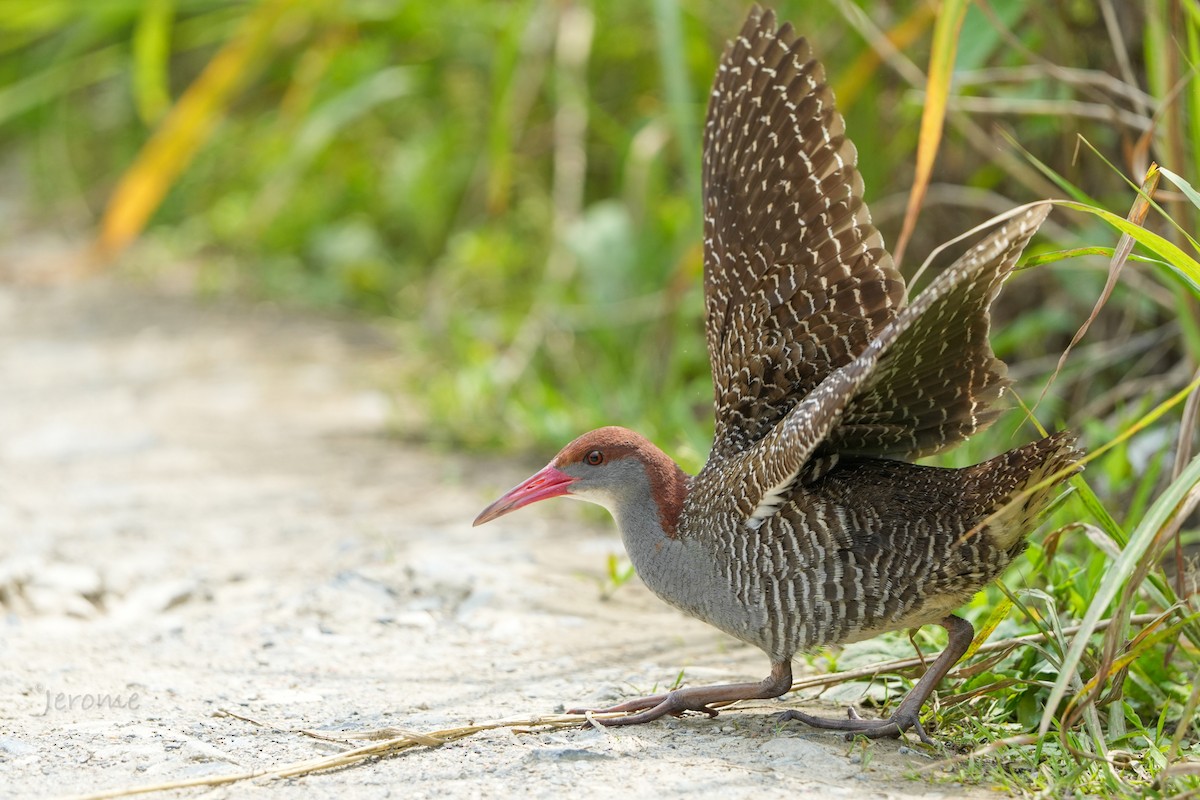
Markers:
(937, 384)
(796, 277)
(760, 479)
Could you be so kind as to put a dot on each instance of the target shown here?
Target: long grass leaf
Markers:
(1180, 262)
(1099, 511)
(1137, 215)
(933, 118)
(1052, 256)
(151, 54)
(184, 130)
(1182, 185)
(989, 626)
(673, 62)
(1115, 578)
(1070, 189)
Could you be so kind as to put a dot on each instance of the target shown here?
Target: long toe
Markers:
(674, 703)
(854, 725)
(637, 704)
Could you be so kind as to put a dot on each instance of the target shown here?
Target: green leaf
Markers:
(1183, 185)
(989, 625)
(1143, 537)
(1180, 262)
(151, 59)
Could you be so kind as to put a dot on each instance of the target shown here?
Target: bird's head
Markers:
(613, 467)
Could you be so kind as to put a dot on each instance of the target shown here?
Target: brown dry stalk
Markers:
(390, 746)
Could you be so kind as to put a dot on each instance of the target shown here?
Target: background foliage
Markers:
(515, 186)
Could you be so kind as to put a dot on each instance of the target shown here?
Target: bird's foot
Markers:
(653, 707)
(892, 727)
(908, 712)
(701, 699)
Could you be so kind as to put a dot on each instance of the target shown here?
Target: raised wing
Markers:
(929, 340)
(938, 384)
(796, 277)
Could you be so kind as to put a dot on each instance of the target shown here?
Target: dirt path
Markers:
(199, 510)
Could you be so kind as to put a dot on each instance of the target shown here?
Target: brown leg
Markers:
(698, 698)
(908, 713)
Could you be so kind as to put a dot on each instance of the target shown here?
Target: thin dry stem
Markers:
(1072, 76)
(1033, 106)
(391, 746)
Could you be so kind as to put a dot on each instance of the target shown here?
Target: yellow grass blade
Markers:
(853, 81)
(937, 91)
(1137, 215)
(998, 615)
(184, 130)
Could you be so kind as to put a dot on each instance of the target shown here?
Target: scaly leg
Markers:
(908, 713)
(697, 698)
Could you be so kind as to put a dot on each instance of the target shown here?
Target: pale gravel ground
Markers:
(199, 505)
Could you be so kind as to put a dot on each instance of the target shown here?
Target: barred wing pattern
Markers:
(796, 277)
(751, 486)
(797, 281)
(937, 385)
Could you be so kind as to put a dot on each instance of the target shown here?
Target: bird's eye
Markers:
(594, 458)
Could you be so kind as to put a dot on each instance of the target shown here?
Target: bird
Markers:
(810, 525)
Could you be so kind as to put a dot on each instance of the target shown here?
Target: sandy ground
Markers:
(200, 510)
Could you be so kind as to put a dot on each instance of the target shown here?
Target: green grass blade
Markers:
(990, 624)
(151, 59)
(1070, 189)
(1052, 256)
(1143, 536)
(673, 62)
(1180, 262)
(933, 119)
(1182, 185)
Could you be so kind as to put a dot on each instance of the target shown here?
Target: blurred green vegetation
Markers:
(515, 186)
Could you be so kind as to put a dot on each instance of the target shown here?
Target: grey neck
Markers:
(681, 568)
(675, 567)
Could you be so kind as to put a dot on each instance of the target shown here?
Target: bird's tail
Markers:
(1000, 486)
